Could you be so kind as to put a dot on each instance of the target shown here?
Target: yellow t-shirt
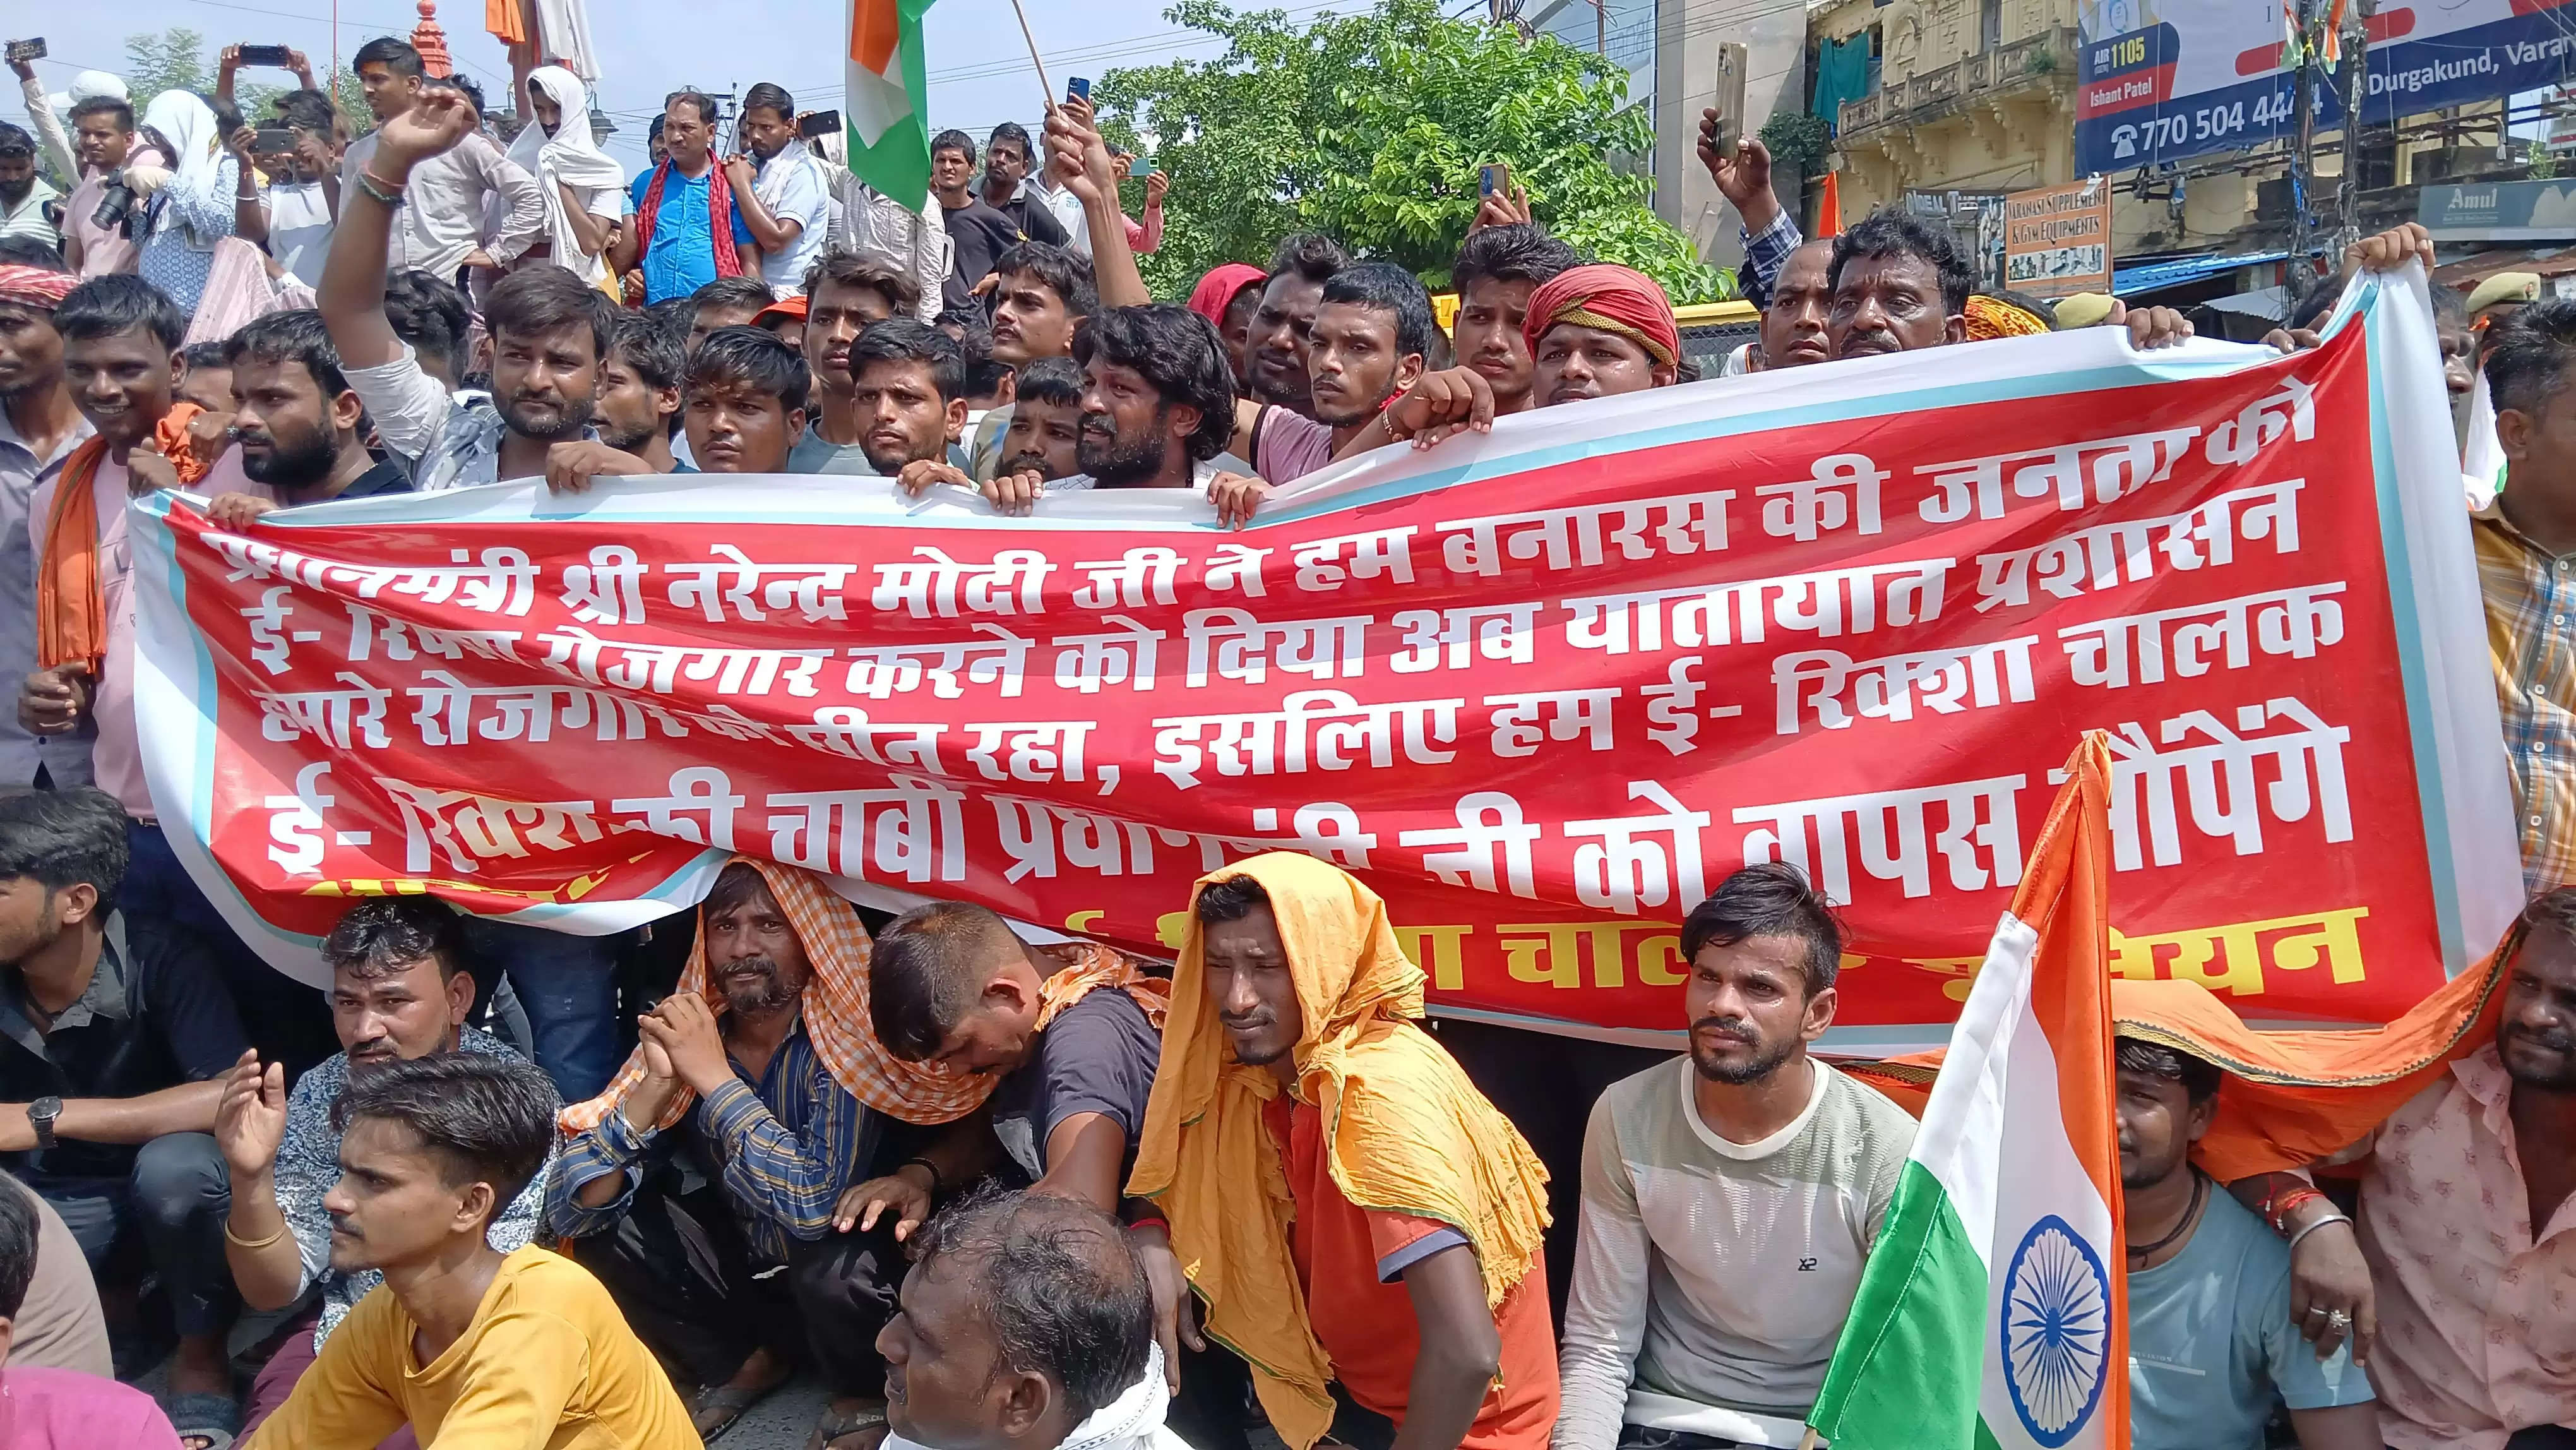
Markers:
(547, 1364)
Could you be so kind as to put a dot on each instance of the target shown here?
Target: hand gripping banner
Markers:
(1542, 689)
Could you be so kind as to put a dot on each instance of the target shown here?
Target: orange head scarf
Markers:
(1408, 1132)
(1992, 317)
(1611, 298)
(71, 598)
(836, 1016)
(2291, 1098)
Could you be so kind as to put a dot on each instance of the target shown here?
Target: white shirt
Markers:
(1067, 209)
(792, 185)
(441, 219)
(877, 226)
(299, 228)
(27, 218)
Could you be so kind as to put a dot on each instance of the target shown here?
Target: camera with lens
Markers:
(116, 202)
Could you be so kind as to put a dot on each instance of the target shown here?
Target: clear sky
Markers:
(979, 67)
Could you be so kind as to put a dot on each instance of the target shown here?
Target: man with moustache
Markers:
(1730, 1198)
(845, 295)
(1794, 332)
(399, 991)
(549, 332)
(301, 428)
(704, 1182)
(1371, 334)
(2466, 1243)
(1284, 323)
(1900, 284)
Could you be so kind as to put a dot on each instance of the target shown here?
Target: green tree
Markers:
(178, 59)
(1372, 128)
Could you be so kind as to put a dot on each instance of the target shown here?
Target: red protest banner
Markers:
(1541, 713)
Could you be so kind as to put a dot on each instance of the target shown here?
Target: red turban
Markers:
(1216, 291)
(1611, 298)
(35, 286)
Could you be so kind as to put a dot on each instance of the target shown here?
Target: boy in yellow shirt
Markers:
(477, 1350)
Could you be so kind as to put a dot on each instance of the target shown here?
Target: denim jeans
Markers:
(176, 1197)
(567, 985)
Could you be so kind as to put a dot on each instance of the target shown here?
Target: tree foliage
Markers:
(1372, 128)
(178, 59)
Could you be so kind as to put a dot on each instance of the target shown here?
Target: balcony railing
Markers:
(2047, 58)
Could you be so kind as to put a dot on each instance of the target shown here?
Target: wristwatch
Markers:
(40, 1116)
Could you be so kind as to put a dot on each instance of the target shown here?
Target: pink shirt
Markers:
(56, 1409)
(1288, 446)
(2477, 1317)
(116, 759)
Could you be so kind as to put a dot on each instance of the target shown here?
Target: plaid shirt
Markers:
(2531, 597)
(786, 1145)
(1765, 253)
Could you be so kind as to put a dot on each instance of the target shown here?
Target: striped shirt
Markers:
(2530, 598)
(786, 1143)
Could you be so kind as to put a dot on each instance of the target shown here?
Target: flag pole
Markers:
(1030, 36)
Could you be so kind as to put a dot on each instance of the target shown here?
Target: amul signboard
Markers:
(2057, 239)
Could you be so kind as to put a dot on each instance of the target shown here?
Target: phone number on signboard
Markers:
(2209, 123)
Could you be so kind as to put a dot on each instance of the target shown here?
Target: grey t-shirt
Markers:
(2211, 1346)
(1097, 1056)
(814, 453)
(1710, 1274)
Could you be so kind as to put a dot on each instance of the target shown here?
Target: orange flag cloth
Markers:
(2291, 1097)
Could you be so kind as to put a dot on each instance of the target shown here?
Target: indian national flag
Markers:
(1994, 1313)
(886, 109)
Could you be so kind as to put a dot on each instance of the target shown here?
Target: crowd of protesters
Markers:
(469, 1194)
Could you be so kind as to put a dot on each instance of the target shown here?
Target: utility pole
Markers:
(1601, 27)
(2356, 91)
(2304, 140)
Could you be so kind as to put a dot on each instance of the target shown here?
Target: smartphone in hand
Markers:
(1493, 178)
(21, 50)
(1078, 88)
(276, 57)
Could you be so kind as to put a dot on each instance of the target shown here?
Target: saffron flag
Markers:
(1994, 1310)
(887, 106)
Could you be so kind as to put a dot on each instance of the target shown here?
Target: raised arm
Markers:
(49, 129)
(250, 213)
(260, 1246)
(352, 294)
(1083, 167)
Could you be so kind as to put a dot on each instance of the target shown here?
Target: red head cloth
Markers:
(1216, 291)
(1611, 298)
(35, 286)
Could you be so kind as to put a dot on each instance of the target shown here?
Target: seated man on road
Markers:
(2212, 1351)
(717, 1156)
(2452, 1286)
(1731, 1197)
(115, 1037)
(399, 991)
(467, 1344)
(1071, 1036)
(1026, 1325)
(45, 1406)
(1403, 1261)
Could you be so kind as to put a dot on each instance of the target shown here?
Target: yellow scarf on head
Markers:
(1405, 1132)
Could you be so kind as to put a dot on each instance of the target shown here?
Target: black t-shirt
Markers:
(1097, 1056)
(156, 1015)
(982, 235)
